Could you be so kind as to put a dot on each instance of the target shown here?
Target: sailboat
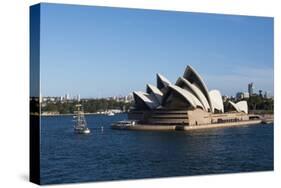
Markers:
(80, 126)
(110, 113)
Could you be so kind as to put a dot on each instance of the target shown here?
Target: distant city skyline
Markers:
(103, 52)
(75, 96)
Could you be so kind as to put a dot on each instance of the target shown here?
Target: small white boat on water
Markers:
(123, 124)
(80, 126)
(110, 114)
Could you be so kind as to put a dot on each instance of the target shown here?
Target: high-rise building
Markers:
(239, 95)
(67, 96)
(246, 95)
(242, 95)
(265, 95)
(78, 97)
(251, 88)
(260, 93)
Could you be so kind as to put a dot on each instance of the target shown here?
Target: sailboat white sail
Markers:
(80, 126)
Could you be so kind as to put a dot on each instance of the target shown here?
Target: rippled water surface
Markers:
(117, 154)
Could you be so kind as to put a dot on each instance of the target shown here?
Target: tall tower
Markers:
(251, 88)
(260, 93)
(67, 96)
(265, 94)
(78, 97)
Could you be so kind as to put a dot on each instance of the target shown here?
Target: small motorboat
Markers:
(123, 124)
(110, 114)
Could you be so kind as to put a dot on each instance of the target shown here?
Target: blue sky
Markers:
(100, 52)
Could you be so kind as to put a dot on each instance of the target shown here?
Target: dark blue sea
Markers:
(105, 155)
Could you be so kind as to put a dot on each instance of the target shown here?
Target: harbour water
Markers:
(108, 154)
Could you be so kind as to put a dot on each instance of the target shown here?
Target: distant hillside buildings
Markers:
(76, 98)
(250, 93)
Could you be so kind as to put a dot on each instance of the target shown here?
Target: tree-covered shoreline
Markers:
(256, 104)
(89, 105)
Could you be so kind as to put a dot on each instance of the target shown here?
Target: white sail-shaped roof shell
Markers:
(234, 106)
(187, 95)
(162, 82)
(157, 93)
(241, 106)
(195, 90)
(150, 102)
(216, 100)
(193, 77)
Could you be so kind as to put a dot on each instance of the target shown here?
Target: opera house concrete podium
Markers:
(185, 104)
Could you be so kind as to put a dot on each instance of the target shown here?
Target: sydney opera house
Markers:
(188, 102)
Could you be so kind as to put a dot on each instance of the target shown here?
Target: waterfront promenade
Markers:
(147, 127)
